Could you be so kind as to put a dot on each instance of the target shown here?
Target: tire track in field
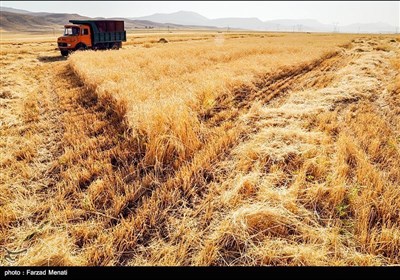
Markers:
(316, 74)
(30, 144)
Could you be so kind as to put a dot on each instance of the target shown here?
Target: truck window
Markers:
(85, 31)
(71, 31)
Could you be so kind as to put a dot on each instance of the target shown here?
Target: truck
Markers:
(91, 34)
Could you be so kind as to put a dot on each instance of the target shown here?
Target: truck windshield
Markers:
(71, 31)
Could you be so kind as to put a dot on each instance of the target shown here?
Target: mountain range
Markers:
(22, 20)
(305, 25)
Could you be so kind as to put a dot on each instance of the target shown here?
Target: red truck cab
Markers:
(76, 37)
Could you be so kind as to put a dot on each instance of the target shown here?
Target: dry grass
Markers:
(212, 149)
(162, 90)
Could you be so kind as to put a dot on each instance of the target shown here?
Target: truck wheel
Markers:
(115, 46)
(64, 53)
(81, 47)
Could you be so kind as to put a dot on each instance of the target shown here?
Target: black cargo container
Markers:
(104, 31)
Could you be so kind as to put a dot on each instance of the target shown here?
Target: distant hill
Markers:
(376, 27)
(28, 22)
(195, 19)
(309, 25)
(181, 17)
(12, 10)
(243, 23)
(305, 25)
(25, 21)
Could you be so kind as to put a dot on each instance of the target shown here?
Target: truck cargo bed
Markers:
(105, 31)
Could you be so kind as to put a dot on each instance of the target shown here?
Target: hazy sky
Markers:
(343, 12)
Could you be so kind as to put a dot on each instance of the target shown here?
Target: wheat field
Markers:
(231, 148)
